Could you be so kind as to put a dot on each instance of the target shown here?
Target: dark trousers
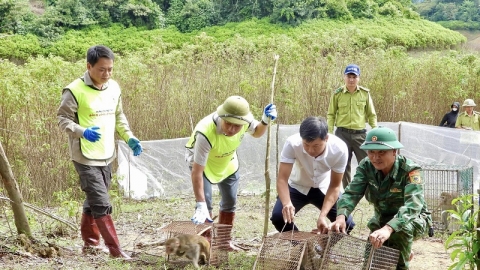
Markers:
(95, 182)
(353, 142)
(299, 200)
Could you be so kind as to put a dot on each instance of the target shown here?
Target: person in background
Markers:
(311, 168)
(469, 118)
(350, 106)
(90, 113)
(393, 184)
(211, 154)
(450, 118)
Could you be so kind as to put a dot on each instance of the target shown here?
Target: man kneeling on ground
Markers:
(394, 185)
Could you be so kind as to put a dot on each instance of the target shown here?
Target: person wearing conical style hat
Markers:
(469, 118)
(393, 184)
(212, 156)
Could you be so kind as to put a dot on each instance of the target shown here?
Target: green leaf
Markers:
(451, 238)
(454, 254)
(455, 215)
(452, 266)
(466, 215)
(461, 263)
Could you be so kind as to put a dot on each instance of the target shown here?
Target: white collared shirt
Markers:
(313, 172)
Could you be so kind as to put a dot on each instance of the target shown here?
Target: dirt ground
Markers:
(139, 229)
(430, 254)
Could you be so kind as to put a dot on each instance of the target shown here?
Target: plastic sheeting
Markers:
(161, 170)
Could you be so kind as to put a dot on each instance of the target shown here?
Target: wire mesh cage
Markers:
(220, 243)
(345, 252)
(283, 251)
(308, 251)
(442, 184)
(383, 258)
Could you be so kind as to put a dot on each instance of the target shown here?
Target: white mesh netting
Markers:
(161, 170)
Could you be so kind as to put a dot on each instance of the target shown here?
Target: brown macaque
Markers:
(446, 199)
(191, 246)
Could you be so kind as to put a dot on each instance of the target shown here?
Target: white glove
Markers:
(201, 213)
(269, 113)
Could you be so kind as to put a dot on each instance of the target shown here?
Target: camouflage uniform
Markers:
(398, 201)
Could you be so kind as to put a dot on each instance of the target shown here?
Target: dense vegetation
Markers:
(170, 79)
(363, 33)
(454, 14)
(50, 18)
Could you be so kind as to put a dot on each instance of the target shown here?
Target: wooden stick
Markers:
(267, 157)
(41, 211)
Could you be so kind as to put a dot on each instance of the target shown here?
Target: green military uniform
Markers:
(397, 197)
(348, 112)
(465, 120)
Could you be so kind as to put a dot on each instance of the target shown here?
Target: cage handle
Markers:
(283, 228)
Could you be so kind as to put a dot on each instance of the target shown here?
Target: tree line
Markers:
(49, 19)
(454, 14)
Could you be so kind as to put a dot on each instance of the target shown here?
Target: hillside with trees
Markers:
(157, 66)
(453, 14)
(176, 60)
(50, 18)
(66, 28)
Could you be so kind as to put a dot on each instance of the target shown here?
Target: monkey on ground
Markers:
(191, 245)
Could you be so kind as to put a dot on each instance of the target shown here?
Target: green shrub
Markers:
(142, 14)
(14, 15)
(391, 9)
(19, 47)
(459, 25)
(464, 242)
(337, 9)
(363, 8)
(189, 15)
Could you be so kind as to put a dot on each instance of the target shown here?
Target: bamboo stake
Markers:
(267, 157)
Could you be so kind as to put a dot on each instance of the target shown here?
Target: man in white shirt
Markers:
(311, 169)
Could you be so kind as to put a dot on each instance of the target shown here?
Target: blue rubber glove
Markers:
(135, 145)
(269, 113)
(91, 134)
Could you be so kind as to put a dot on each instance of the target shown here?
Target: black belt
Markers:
(352, 131)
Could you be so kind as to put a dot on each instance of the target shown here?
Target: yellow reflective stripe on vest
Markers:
(97, 108)
(222, 160)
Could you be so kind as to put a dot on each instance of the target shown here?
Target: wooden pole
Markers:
(16, 199)
(267, 158)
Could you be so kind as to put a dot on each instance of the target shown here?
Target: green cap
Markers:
(235, 110)
(381, 138)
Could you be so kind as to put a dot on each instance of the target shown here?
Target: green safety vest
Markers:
(222, 159)
(97, 108)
